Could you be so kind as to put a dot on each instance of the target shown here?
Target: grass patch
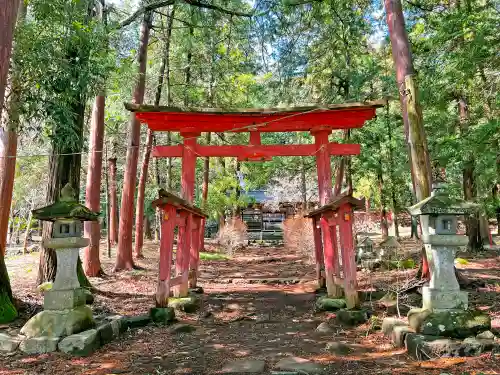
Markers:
(213, 256)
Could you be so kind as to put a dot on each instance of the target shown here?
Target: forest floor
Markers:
(262, 308)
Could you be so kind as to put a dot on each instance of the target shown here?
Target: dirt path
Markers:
(261, 307)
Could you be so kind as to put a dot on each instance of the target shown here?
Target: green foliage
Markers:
(62, 58)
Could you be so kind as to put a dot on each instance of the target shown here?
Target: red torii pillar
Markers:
(326, 255)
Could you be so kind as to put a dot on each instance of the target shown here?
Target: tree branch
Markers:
(201, 4)
(160, 4)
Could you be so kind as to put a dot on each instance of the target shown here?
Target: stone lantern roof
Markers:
(440, 203)
(66, 208)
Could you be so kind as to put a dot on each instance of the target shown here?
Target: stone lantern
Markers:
(439, 219)
(65, 312)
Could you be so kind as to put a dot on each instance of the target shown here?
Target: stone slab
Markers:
(80, 344)
(39, 345)
(443, 299)
(64, 299)
(59, 323)
(449, 323)
(8, 343)
(422, 347)
(388, 325)
(299, 364)
(110, 330)
(182, 328)
(244, 366)
(138, 321)
(398, 335)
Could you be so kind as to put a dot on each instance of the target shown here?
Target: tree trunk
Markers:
(141, 190)
(64, 167)
(412, 115)
(27, 233)
(383, 213)
(8, 131)
(108, 234)
(469, 186)
(113, 202)
(147, 228)
(391, 174)
(91, 257)
(124, 260)
(7, 309)
(139, 214)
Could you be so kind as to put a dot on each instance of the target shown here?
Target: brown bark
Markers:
(7, 308)
(147, 228)
(412, 115)
(124, 260)
(27, 233)
(468, 183)
(64, 167)
(113, 201)
(8, 131)
(139, 214)
(91, 258)
(383, 213)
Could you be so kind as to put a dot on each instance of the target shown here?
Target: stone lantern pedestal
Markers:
(444, 309)
(66, 292)
(65, 312)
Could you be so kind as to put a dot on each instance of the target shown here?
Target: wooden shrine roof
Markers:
(174, 200)
(338, 201)
(335, 116)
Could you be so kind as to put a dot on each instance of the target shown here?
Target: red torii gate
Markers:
(318, 120)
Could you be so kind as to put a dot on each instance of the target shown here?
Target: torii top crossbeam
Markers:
(319, 120)
(334, 116)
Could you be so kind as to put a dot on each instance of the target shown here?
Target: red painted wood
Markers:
(188, 169)
(168, 224)
(182, 256)
(91, 261)
(280, 122)
(255, 138)
(348, 259)
(330, 258)
(248, 151)
(336, 252)
(323, 165)
(175, 281)
(194, 255)
(318, 252)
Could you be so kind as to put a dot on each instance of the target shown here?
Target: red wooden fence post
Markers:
(331, 259)
(194, 256)
(168, 224)
(318, 251)
(348, 258)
